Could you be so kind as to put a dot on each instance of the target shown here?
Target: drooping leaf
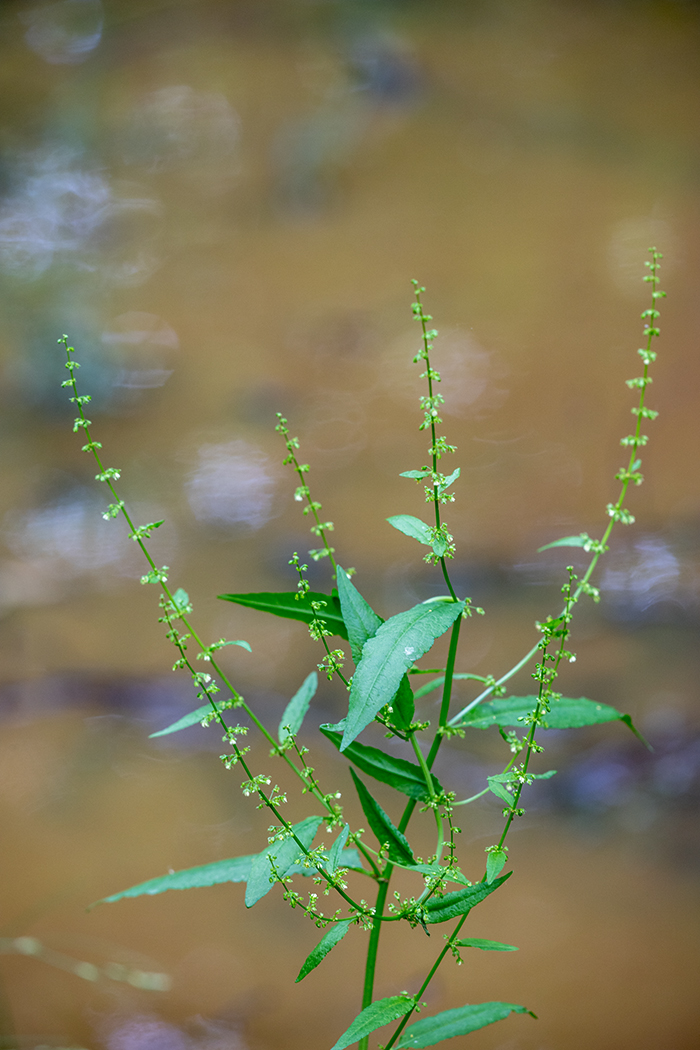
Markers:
(297, 707)
(387, 656)
(285, 854)
(565, 713)
(567, 541)
(440, 543)
(188, 720)
(331, 937)
(465, 1019)
(406, 777)
(495, 862)
(287, 605)
(375, 1016)
(485, 946)
(440, 909)
(404, 704)
(360, 619)
(413, 527)
(382, 827)
(497, 784)
(235, 869)
(437, 682)
(336, 850)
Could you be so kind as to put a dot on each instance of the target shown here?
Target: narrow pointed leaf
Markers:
(565, 713)
(191, 719)
(387, 656)
(437, 682)
(349, 858)
(567, 541)
(415, 474)
(404, 704)
(465, 1019)
(286, 854)
(450, 479)
(235, 869)
(297, 707)
(375, 1016)
(287, 605)
(498, 786)
(440, 909)
(361, 621)
(406, 777)
(436, 869)
(485, 946)
(333, 934)
(336, 850)
(382, 827)
(413, 527)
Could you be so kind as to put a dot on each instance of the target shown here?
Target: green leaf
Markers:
(286, 854)
(485, 946)
(564, 713)
(387, 656)
(413, 527)
(297, 707)
(404, 776)
(375, 1016)
(287, 605)
(349, 858)
(417, 475)
(440, 543)
(360, 619)
(336, 850)
(462, 1021)
(437, 869)
(450, 480)
(383, 828)
(333, 934)
(440, 909)
(437, 682)
(404, 703)
(567, 541)
(497, 786)
(188, 720)
(496, 860)
(235, 869)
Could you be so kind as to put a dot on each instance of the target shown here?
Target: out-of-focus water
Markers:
(222, 204)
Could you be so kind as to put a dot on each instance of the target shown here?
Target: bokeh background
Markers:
(222, 203)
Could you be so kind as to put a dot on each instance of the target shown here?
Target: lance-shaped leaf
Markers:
(235, 869)
(440, 909)
(496, 860)
(336, 851)
(285, 854)
(384, 830)
(485, 946)
(449, 480)
(567, 541)
(564, 713)
(360, 619)
(349, 858)
(413, 527)
(416, 474)
(190, 719)
(404, 704)
(297, 707)
(291, 608)
(449, 874)
(333, 934)
(375, 1016)
(406, 777)
(465, 1019)
(387, 656)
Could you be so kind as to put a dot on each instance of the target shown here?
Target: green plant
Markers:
(385, 655)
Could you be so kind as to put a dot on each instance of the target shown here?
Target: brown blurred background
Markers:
(222, 203)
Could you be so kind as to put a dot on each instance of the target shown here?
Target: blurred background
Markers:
(222, 202)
